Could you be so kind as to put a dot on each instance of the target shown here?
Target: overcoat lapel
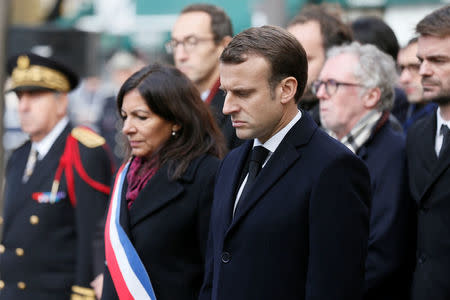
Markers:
(429, 164)
(279, 163)
(439, 165)
(158, 192)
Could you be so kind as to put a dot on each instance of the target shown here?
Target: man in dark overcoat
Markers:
(428, 155)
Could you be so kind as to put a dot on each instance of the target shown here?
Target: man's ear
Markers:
(288, 88)
(225, 41)
(372, 97)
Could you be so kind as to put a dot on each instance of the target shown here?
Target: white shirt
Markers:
(271, 145)
(205, 95)
(439, 138)
(46, 143)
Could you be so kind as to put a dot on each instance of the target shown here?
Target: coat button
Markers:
(2, 284)
(2, 248)
(423, 210)
(226, 257)
(422, 258)
(34, 220)
(19, 252)
(21, 285)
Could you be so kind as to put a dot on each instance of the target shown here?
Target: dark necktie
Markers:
(446, 138)
(257, 158)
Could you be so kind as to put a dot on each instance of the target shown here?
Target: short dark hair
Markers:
(334, 31)
(373, 30)
(173, 97)
(279, 47)
(220, 22)
(437, 23)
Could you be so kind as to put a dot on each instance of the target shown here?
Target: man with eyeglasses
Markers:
(356, 91)
(410, 81)
(199, 36)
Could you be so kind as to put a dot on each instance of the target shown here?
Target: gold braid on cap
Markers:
(35, 75)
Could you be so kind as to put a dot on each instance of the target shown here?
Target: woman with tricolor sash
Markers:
(158, 218)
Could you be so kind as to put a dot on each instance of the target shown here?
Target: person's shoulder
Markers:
(390, 137)
(19, 153)
(326, 146)
(422, 123)
(87, 137)
(206, 161)
(92, 147)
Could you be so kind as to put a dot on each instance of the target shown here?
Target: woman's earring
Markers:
(174, 133)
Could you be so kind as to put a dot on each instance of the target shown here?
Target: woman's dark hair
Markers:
(173, 97)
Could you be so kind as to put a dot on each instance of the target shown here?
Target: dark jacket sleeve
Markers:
(339, 228)
(90, 209)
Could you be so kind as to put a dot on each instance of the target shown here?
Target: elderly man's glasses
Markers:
(331, 86)
(189, 43)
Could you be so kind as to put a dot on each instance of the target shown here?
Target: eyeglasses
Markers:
(412, 68)
(331, 86)
(189, 43)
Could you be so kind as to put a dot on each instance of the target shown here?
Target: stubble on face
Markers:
(434, 54)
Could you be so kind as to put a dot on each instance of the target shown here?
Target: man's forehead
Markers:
(241, 77)
(408, 53)
(340, 64)
(192, 23)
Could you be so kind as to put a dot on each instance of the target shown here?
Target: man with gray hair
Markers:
(356, 91)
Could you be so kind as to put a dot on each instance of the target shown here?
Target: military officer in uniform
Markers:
(57, 187)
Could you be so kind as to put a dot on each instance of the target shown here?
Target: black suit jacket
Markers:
(56, 238)
(224, 121)
(168, 225)
(429, 183)
(302, 230)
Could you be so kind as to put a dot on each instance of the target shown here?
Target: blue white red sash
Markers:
(127, 271)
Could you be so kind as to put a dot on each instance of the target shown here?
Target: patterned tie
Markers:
(446, 138)
(32, 157)
(257, 158)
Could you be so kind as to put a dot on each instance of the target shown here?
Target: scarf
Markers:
(140, 172)
(361, 132)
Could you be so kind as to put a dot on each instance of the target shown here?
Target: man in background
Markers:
(428, 151)
(410, 81)
(199, 36)
(317, 28)
(356, 93)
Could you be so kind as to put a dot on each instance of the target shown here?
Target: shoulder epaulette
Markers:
(88, 137)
